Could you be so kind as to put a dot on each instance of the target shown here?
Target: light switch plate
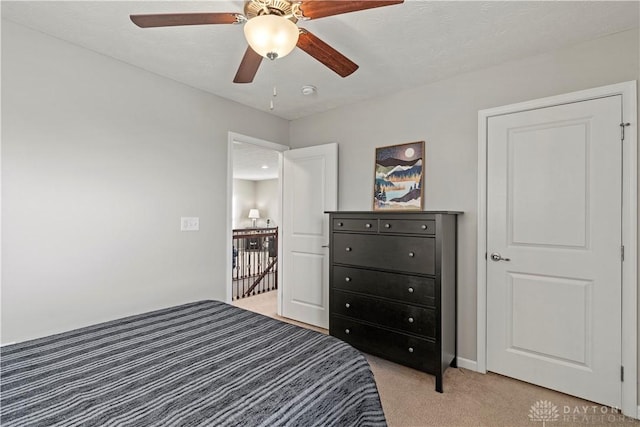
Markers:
(189, 223)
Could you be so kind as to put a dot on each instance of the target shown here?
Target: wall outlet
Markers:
(189, 223)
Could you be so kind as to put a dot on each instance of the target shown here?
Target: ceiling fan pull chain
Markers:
(273, 96)
(274, 92)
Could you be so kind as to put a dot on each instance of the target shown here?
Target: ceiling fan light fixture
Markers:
(271, 36)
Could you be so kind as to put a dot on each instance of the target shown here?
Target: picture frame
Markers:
(399, 177)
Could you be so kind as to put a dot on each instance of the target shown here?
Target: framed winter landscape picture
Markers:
(398, 177)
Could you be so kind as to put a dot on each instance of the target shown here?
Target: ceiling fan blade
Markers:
(325, 54)
(174, 19)
(314, 9)
(248, 67)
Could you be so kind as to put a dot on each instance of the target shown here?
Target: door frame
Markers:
(231, 138)
(629, 226)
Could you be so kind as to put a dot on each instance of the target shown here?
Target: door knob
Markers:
(497, 257)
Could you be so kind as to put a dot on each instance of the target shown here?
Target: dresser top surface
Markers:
(395, 212)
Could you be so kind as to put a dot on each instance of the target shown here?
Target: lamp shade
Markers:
(271, 36)
(254, 213)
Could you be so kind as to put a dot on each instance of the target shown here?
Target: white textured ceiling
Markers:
(249, 161)
(397, 47)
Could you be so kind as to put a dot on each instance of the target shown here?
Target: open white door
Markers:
(310, 187)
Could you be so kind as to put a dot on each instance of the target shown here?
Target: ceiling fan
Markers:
(271, 30)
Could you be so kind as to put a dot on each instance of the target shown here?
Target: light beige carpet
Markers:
(469, 398)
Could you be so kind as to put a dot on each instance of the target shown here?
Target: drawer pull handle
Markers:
(346, 331)
(410, 349)
(424, 226)
(410, 319)
(347, 305)
(410, 290)
(367, 225)
(348, 249)
(347, 279)
(340, 224)
(387, 226)
(412, 254)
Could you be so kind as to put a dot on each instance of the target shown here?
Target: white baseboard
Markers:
(472, 365)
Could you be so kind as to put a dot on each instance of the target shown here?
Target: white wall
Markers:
(243, 199)
(99, 161)
(445, 115)
(261, 195)
(267, 200)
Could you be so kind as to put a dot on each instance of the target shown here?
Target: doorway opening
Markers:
(254, 198)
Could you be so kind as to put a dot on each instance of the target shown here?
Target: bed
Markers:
(203, 363)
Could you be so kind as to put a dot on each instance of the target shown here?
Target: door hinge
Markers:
(622, 373)
(622, 126)
(622, 252)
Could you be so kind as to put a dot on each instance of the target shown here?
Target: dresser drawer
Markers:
(361, 225)
(399, 253)
(402, 287)
(404, 349)
(408, 226)
(408, 318)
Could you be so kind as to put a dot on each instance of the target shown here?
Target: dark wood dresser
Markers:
(393, 286)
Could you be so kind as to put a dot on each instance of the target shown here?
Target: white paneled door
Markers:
(554, 285)
(310, 177)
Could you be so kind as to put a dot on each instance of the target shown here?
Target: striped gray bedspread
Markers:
(200, 364)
